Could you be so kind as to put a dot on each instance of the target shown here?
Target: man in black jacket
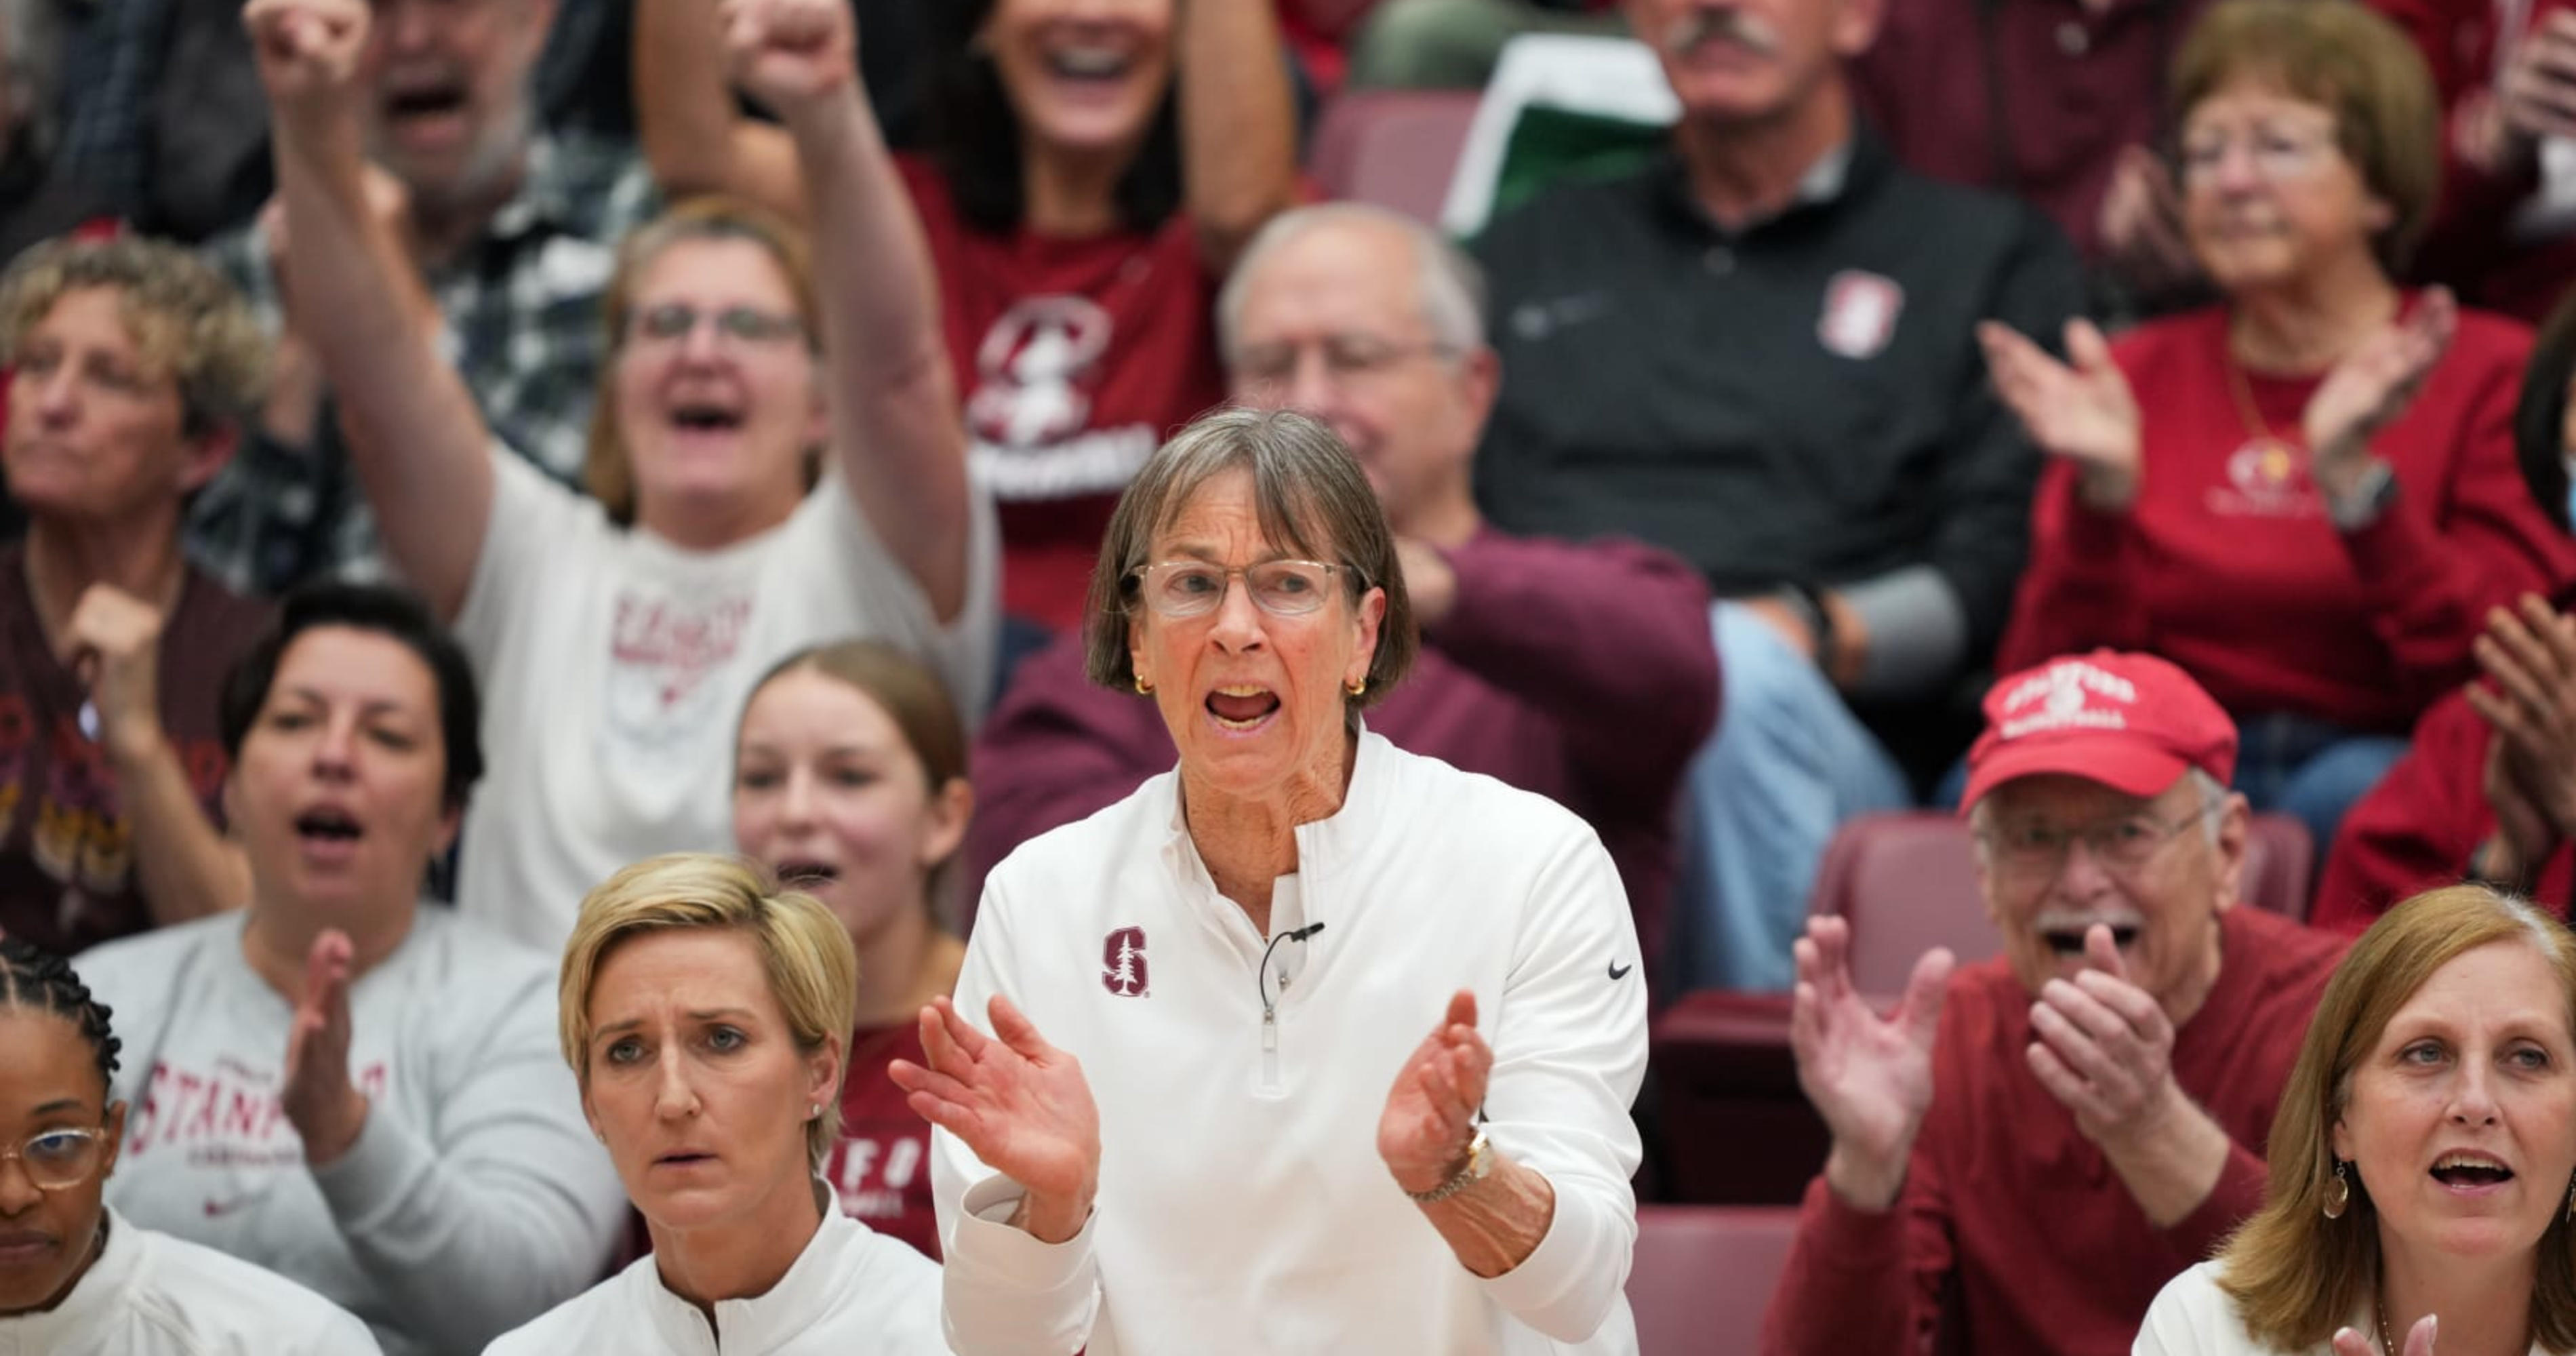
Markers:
(1758, 352)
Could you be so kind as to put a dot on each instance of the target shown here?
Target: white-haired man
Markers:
(2026, 1151)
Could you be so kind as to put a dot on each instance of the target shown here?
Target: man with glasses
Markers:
(1580, 671)
(1757, 352)
(2025, 1151)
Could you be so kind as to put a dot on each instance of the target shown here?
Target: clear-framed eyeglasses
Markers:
(1348, 359)
(742, 326)
(2033, 848)
(1181, 589)
(58, 1160)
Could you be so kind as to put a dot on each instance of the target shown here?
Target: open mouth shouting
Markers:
(2468, 1172)
(426, 113)
(2064, 933)
(1242, 707)
(329, 833)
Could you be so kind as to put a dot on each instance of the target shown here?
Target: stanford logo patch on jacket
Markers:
(1122, 962)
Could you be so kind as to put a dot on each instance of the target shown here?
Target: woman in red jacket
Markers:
(2305, 494)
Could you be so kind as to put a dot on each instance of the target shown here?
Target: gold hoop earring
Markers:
(1355, 689)
(1143, 688)
(2339, 1194)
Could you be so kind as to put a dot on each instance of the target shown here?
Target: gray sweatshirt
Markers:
(474, 1199)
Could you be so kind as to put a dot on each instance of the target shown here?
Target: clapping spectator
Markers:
(620, 636)
(2487, 788)
(134, 367)
(2027, 1148)
(2304, 495)
(1092, 171)
(340, 1083)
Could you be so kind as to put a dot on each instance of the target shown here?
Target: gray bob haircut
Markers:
(1448, 287)
(1310, 495)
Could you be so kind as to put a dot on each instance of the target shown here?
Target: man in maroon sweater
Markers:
(1584, 672)
(2026, 1151)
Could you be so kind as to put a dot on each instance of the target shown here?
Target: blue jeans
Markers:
(1788, 764)
(2298, 766)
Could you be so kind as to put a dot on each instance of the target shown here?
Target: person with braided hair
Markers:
(76, 1279)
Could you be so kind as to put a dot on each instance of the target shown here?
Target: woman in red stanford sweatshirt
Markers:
(2305, 495)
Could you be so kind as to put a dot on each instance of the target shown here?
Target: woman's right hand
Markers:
(2083, 412)
(1021, 1104)
(308, 53)
(1869, 1077)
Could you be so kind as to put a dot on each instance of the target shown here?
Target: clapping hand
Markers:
(308, 53)
(2530, 775)
(2372, 386)
(789, 53)
(320, 1101)
(2419, 1340)
(2104, 1047)
(1019, 1103)
(1870, 1077)
(1430, 1113)
(2083, 411)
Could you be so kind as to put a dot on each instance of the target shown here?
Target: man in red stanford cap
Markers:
(2026, 1151)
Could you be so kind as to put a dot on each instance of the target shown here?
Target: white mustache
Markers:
(1726, 22)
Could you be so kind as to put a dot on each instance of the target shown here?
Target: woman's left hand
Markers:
(1430, 1114)
(2372, 386)
(326, 1109)
(2419, 1340)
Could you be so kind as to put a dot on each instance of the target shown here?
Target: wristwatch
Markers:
(2368, 498)
(1479, 1166)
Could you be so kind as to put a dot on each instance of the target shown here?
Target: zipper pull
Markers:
(1269, 1030)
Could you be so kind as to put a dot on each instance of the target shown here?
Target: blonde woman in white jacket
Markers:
(76, 1280)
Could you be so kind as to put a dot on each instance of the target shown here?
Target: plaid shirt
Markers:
(522, 311)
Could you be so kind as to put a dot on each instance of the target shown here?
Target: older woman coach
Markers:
(1235, 1133)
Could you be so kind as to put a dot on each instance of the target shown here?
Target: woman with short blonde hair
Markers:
(706, 1014)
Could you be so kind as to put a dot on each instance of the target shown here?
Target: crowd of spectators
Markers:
(457, 450)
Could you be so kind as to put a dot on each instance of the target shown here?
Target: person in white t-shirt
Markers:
(619, 638)
(339, 1083)
(707, 1014)
(77, 1279)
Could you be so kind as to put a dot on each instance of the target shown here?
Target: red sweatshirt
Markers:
(2227, 565)
(1583, 673)
(2417, 829)
(2013, 1235)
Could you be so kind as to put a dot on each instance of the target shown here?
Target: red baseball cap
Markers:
(2129, 721)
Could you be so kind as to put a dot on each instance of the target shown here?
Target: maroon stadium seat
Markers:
(1394, 148)
(1703, 1276)
(1736, 1128)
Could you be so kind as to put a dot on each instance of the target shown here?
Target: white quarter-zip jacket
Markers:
(153, 1295)
(852, 1291)
(1243, 1206)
